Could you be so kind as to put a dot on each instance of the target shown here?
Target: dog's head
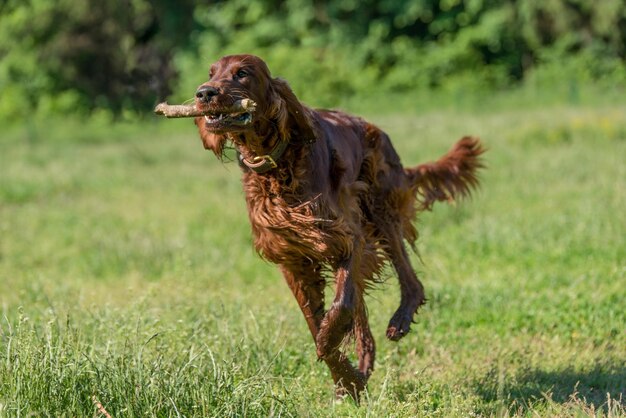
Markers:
(235, 81)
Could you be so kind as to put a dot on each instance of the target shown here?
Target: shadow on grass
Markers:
(593, 387)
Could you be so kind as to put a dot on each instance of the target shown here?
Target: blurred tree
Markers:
(89, 54)
(126, 54)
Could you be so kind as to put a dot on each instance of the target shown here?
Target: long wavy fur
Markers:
(451, 177)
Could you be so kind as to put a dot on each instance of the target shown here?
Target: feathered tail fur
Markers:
(452, 176)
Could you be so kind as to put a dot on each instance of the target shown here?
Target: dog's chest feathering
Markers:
(285, 232)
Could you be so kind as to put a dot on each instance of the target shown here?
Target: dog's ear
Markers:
(211, 141)
(293, 118)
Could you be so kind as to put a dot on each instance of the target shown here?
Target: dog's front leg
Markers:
(307, 285)
(338, 321)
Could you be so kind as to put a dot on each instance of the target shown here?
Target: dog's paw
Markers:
(399, 325)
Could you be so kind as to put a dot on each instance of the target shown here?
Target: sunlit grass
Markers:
(127, 272)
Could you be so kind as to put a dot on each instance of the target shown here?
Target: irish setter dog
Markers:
(327, 197)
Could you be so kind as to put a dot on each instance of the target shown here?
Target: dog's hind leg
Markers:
(411, 289)
(307, 285)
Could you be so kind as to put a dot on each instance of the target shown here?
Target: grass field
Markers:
(127, 275)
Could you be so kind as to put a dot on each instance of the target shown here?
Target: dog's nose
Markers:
(205, 93)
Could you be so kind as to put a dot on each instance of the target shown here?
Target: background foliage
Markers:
(77, 56)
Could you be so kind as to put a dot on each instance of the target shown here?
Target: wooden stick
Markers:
(99, 407)
(191, 111)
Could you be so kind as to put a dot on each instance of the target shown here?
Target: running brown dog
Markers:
(327, 197)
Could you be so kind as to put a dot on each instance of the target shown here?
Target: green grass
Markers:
(127, 273)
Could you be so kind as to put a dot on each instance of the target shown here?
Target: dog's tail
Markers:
(452, 176)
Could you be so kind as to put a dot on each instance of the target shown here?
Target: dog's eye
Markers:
(241, 74)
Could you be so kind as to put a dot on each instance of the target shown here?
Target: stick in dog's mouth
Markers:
(191, 111)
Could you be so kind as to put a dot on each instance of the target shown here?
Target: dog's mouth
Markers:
(234, 117)
(224, 120)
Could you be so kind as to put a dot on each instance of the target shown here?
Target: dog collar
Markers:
(264, 163)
